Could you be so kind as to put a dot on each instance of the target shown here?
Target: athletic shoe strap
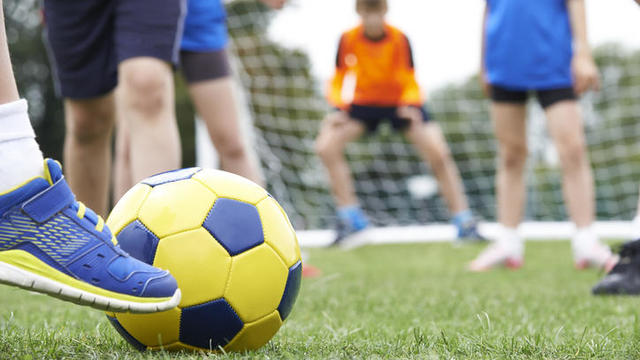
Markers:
(49, 202)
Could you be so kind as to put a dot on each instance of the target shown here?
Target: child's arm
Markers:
(334, 93)
(585, 72)
(484, 84)
(411, 94)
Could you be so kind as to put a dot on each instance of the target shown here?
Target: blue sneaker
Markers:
(54, 245)
(351, 220)
(467, 227)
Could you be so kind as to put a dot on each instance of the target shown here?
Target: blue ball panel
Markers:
(291, 290)
(171, 176)
(209, 325)
(138, 241)
(235, 224)
(130, 339)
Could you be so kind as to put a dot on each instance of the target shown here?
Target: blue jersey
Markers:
(528, 44)
(205, 27)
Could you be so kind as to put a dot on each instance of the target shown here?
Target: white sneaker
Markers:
(495, 255)
(635, 228)
(588, 251)
(597, 255)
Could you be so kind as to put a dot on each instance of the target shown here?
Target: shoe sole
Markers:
(13, 275)
(606, 267)
(510, 264)
(354, 240)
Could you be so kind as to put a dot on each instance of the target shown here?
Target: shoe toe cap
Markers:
(163, 285)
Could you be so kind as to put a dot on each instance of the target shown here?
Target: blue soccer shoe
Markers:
(52, 244)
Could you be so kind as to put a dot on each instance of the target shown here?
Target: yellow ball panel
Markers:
(231, 186)
(256, 334)
(176, 346)
(152, 329)
(198, 262)
(126, 210)
(278, 232)
(256, 284)
(175, 207)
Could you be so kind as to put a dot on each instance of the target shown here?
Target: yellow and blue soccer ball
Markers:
(229, 245)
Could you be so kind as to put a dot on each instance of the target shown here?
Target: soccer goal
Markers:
(284, 103)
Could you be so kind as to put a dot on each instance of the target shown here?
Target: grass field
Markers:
(402, 301)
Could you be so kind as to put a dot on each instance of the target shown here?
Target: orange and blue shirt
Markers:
(374, 72)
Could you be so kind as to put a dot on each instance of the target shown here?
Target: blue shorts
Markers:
(87, 39)
(372, 116)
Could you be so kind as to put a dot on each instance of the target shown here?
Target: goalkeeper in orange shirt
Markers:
(378, 57)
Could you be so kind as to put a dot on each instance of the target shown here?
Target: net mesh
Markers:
(393, 185)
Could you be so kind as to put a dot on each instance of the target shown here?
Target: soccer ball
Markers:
(230, 247)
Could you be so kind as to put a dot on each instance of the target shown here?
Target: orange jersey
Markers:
(374, 72)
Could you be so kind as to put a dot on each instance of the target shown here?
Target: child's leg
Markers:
(566, 129)
(336, 132)
(215, 103)
(87, 149)
(148, 107)
(432, 147)
(122, 175)
(510, 129)
(20, 156)
(8, 88)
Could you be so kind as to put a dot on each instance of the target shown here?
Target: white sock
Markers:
(20, 155)
(635, 228)
(583, 241)
(509, 239)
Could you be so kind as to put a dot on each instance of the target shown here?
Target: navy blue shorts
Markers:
(204, 66)
(87, 39)
(546, 97)
(372, 116)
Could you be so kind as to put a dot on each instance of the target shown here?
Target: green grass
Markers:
(402, 301)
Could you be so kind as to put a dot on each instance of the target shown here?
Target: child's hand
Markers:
(585, 73)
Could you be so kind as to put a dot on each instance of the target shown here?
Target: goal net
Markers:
(286, 105)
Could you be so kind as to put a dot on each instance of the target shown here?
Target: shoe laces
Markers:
(82, 211)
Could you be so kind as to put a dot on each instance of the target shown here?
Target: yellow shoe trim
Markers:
(32, 264)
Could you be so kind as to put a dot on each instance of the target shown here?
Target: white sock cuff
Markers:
(585, 235)
(509, 234)
(14, 121)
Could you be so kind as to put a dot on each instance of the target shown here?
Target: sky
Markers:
(445, 34)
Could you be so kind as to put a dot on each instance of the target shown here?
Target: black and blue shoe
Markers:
(52, 244)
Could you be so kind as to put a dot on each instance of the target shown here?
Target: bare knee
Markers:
(326, 150)
(513, 157)
(572, 153)
(90, 121)
(231, 149)
(147, 89)
(326, 145)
